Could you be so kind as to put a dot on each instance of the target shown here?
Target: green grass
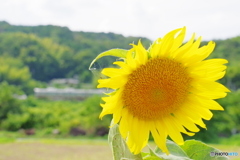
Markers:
(6, 140)
(233, 140)
(72, 148)
(55, 149)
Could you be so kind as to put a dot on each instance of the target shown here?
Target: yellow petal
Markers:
(132, 63)
(191, 51)
(139, 134)
(125, 123)
(123, 65)
(178, 41)
(172, 130)
(209, 69)
(206, 103)
(186, 122)
(141, 53)
(113, 103)
(117, 115)
(155, 47)
(114, 82)
(209, 90)
(195, 117)
(209, 64)
(111, 72)
(179, 125)
(160, 138)
(167, 42)
(202, 53)
(203, 112)
(179, 53)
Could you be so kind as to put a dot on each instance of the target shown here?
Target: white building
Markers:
(66, 93)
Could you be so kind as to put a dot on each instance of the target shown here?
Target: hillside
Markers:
(56, 52)
(44, 53)
(76, 40)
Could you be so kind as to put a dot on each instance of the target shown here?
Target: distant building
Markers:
(20, 97)
(65, 82)
(66, 93)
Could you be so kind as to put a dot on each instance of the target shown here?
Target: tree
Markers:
(8, 104)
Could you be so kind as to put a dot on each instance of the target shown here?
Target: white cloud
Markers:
(152, 18)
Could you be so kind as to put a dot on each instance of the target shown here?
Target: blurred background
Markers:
(46, 46)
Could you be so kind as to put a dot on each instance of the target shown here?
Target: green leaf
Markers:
(112, 52)
(176, 152)
(150, 156)
(119, 147)
(198, 150)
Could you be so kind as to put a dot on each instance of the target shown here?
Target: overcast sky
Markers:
(211, 19)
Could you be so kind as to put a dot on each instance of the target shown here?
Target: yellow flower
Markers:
(165, 90)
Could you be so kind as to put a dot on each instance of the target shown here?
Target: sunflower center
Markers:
(156, 89)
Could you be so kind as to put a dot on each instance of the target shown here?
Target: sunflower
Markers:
(166, 90)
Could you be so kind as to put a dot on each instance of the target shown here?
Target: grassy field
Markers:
(67, 149)
(51, 149)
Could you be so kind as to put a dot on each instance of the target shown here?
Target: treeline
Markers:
(42, 53)
(48, 52)
(43, 117)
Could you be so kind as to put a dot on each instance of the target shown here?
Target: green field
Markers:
(67, 149)
(50, 149)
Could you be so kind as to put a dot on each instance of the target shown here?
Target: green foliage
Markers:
(176, 152)
(56, 52)
(45, 59)
(231, 114)
(6, 140)
(228, 49)
(232, 78)
(16, 73)
(8, 104)
(228, 119)
(61, 115)
(14, 121)
(197, 150)
(113, 52)
(91, 106)
(233, 140)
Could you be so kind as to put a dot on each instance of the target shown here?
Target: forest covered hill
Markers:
(43, 53)
(34, 55)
